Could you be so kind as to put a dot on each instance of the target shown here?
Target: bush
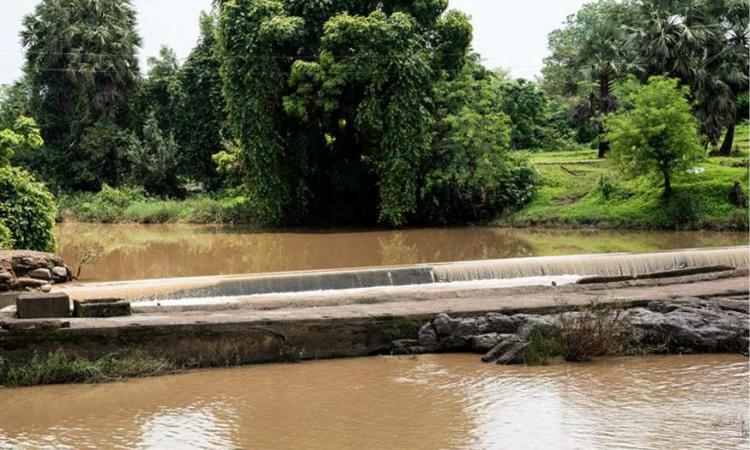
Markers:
(6, 240)
(593, 331)
(27, 209)
(106, 206)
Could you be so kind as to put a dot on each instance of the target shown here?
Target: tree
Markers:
(588, 58)
(154, 160)
(331, 101)
(81, 67)
(704, 44)
(27, 210)
(199, 127)
(470, 175)
(656, 132)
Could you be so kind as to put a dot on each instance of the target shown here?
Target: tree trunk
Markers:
(667, 185)
(726, 146)
(603, 147)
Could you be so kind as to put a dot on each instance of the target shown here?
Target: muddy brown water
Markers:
(123, 252)
(426, 402)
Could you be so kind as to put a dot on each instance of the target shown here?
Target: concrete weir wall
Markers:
(613, 264)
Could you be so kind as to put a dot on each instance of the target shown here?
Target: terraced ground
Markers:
(577, 189)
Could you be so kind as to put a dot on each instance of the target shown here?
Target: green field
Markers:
(577, 189)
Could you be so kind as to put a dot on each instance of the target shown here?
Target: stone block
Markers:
(42, 306)
(110, 307)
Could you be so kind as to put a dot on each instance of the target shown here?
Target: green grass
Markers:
(579, 190)
(129, 206)
(59, 368)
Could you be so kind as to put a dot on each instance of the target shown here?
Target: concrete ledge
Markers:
(101, 308)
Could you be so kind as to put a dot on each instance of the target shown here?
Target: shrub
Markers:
(105, 206)
(6, 240)
(593, 331)
(27, 209)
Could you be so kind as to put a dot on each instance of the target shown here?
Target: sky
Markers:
(511, 34)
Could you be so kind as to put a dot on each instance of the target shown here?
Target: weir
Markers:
(618, 264)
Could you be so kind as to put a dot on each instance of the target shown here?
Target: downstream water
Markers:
(122, 252)
(429, 402)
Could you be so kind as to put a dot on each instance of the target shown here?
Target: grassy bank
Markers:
(579, 190)
(132, 206)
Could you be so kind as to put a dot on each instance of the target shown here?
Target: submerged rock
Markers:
(508, 351)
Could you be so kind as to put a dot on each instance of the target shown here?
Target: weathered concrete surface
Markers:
(210, 338)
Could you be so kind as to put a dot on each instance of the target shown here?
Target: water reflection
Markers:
(438, 401)
(159, 251)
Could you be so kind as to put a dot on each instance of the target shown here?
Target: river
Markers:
(426, 402)
(123, 252)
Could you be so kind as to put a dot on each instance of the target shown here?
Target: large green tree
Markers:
(655, 133)
(331, 101)
(200, 125)
(81, 68)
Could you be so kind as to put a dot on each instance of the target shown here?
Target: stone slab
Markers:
(114, 307)
(42, 306)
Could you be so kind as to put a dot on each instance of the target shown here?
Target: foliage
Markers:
(14, 102)
(154, 160)
(596, 330)
(587, 59)
(529, 110)
(656, 133)
(469, 175)
(81, 68)
(27, 209)
(6, 239)
(331, 101)
(201, 118)
(116, 205)
(22, 137)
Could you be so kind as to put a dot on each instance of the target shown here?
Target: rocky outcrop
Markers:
(683, 325)
(23, 270)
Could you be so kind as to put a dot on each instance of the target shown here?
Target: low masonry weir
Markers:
(536, 269)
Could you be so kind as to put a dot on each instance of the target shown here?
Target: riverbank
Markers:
(156, 342)
(577, 189)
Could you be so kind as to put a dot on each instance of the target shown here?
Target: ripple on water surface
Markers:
(435, 401)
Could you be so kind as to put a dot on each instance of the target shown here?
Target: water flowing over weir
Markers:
(619, 264)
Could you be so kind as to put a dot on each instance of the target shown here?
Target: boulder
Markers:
(484, 342)
(508, 351)
(25, 282)
(427, 336)
(60, 273)
(444, 324)
(40, 274)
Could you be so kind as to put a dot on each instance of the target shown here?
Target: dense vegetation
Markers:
(339, 112)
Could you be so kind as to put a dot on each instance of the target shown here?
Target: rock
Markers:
(40, 274)
(60, 273)
(6, 277)
(24, 282)
(455, 343)
(113, 307)
(500, 323)
(547, 324)
(46, 288)
(484, 342)
(444, 324)
(470, 327)
(403, 346)
(427, 335)
(507, 351)
(42, 306)
(737, 195)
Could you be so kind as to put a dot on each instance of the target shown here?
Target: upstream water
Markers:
(426, 402)
(123, 252)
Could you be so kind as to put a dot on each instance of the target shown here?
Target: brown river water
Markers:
(426, 402)
(122, 252)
